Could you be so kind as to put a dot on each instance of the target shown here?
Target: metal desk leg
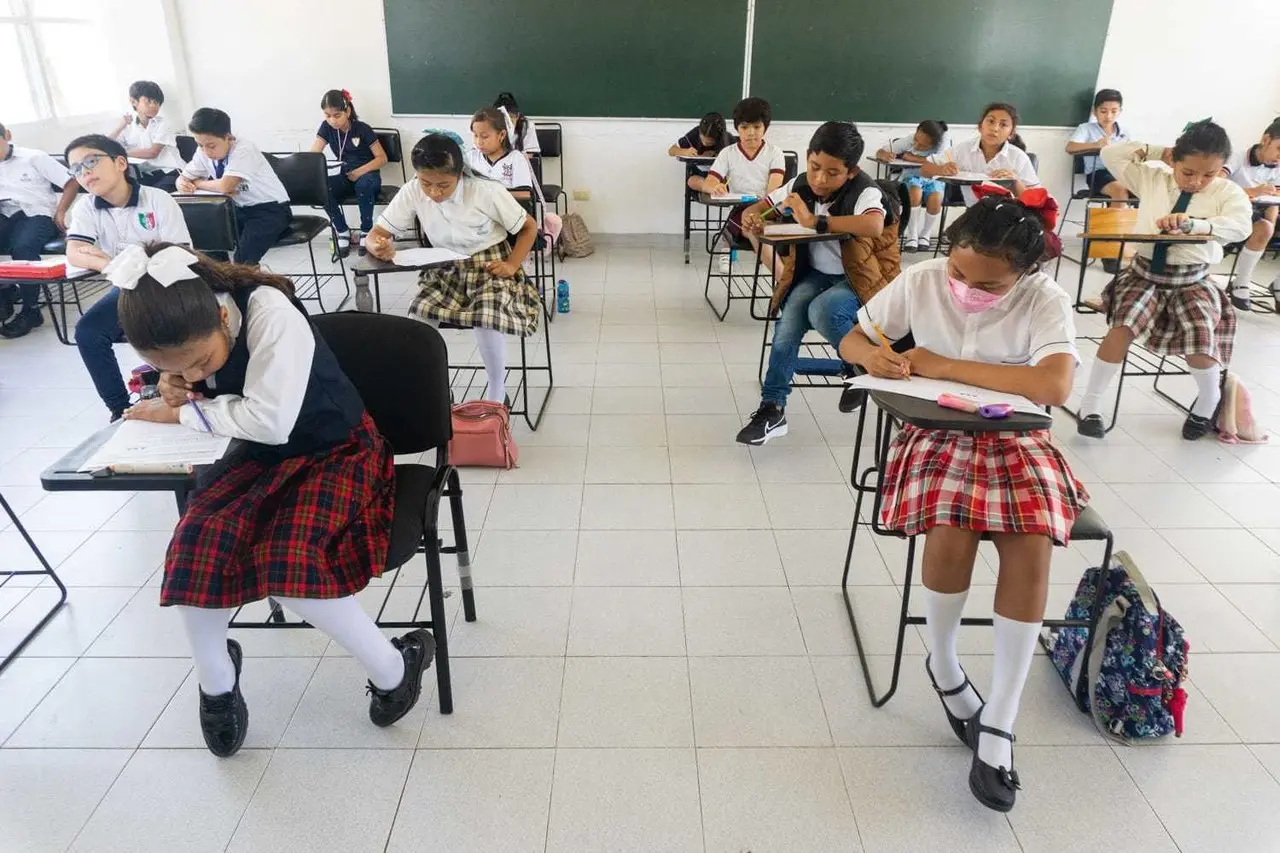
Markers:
(45, 569)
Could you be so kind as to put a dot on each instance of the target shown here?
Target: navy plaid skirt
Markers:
(314, 526)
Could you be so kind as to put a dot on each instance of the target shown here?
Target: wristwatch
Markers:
(822, 225)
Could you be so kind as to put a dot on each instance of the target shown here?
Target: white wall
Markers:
(288, 52)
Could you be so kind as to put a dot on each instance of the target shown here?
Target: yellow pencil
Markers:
(884, 342)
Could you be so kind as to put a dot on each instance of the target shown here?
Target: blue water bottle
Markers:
(562, 297)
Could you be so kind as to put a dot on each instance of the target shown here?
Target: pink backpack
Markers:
(482, 436)
(1236, 424)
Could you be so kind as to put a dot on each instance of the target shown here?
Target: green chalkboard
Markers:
(629, 58)
(910, 60)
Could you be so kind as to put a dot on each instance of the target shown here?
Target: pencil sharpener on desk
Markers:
(144, 380)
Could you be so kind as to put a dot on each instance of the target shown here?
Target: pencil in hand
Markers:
(888, 347)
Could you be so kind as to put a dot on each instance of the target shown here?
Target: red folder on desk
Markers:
(51, 268)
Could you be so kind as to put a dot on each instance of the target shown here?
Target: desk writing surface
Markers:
(1145, 238)
(792, 239)
(927, 414)
(63, 476)
(406, 260)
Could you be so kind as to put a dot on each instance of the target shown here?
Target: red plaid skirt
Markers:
(999, 482)
(1180, 312)
(304, 527)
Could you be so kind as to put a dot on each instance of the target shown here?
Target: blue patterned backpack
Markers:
(1127, 671)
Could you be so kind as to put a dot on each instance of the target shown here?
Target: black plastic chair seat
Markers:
(303, 229)
(552, 191)
(413, 482)
(55, 247)
(1090, 526)
(386, 193)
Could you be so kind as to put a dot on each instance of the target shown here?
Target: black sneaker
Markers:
(1091, 426)
(1111, 266)
(224, 719)
(1196, 427)
(769, 421)
(418, 648)
(22, 324)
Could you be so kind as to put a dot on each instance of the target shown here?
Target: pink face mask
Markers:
(972, 300)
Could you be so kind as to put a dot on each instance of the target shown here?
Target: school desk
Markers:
(73, 277)
(884, 168)
(706, 227)
(370, 268)
(733, 289)
(948, 199)
(11, 649)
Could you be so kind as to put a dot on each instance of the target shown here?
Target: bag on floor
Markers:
(1236, 424)
(482, 436)
(575, 239)
(1128, 669)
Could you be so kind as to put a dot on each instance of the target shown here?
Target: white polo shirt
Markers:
(27, 181)
(258, 181)
(748, 175)
(1033, 321)
(156, 131)
(1249, 172)
(968, 157)
(1091, 131)
(479, 214)
(149, 216)
(825, 256)
(512, 170)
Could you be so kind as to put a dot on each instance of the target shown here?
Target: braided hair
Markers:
(1003, 227)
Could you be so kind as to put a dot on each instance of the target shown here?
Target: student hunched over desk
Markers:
(986, 315)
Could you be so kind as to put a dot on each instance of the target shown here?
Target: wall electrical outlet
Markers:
(582, 195)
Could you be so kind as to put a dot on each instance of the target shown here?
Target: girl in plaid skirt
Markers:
(462, 211)
(1165, 299)
(987, 316)
(299, 509)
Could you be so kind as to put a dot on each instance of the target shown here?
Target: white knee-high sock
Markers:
(942, 612)
(1015, 646)
(343, 620)
(1100, 377)
(1244, 271)
(915, 222)
(929, 227)
(493, 352)
(207, 634)
(1210, 392)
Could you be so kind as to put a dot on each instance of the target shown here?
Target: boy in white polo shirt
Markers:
(235, 167)
(116, 213)
(146, 135)
(1257, 170)
(31, 214)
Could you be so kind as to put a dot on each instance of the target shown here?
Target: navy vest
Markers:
(330, 410)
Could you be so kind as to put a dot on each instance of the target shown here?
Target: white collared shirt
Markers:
(479, 214)
(749, 175)
(155, 132)
(968, 156)
(1033, 320)
(281, 348)
(1091, 131)
(1244, 172)
(258, 181)
(1221, 203)
(149, 216)
(826, 256)
(27, 181)
(512, 170)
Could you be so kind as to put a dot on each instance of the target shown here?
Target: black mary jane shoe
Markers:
(958, 725)
(1091, 426)
(995, 787)
(1241, 303)
(1196, 427)
(224, 719)
(418, 648)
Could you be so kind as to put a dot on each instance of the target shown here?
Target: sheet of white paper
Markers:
(422, 257)
(733, 197)
(932, 389)
(1267, 199)
(968, 176)
(788, 230)
(140, 442)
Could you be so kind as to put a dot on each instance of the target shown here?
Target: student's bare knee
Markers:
(1116, 190)
(915, 195)
(1201, 362)
(1023, 584)
(949, 553)
(934, 203)
(1261, 236)
(695, 183)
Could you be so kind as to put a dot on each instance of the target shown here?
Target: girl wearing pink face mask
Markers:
(987, 316)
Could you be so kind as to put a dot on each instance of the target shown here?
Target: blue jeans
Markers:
(364, 188)
(23, 237)
(97, 330)
(825, 303)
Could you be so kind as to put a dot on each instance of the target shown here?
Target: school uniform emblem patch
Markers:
(147, 221)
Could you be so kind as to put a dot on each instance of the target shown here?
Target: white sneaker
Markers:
(910, 244)
(724, 265)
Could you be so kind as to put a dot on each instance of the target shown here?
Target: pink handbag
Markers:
(482, 436)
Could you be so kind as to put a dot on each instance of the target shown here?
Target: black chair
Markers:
(186, 146)
(211, 221)
(393, 147)
(551, 141)
(306, 179)
(412, 420)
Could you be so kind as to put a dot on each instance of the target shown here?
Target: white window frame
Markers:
(39, 80)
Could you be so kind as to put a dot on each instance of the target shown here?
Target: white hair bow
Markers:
(165, 266)
(511, 126)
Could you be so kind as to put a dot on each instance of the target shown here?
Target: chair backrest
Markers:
(1035, 161)
(212, 223)
(1108, 220)
(535, 164)
(393, 147)
(551, 138)
(792, 165)
(186, 146)
(401, 369)
(305, 176)
(1077, 164)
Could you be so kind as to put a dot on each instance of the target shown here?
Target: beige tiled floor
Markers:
(662, 660)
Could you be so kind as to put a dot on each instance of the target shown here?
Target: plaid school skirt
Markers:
(467, 294)
(998, 482)
(1178, 312)
(304, 527)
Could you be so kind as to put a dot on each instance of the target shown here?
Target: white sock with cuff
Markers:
(1244, 271)
(942, 612)
(207, 633)
(915, 223)
(1100, 377)
(929, 228)
(345, 621)
(493, 352)
(1210, 390)
(1015, 647)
